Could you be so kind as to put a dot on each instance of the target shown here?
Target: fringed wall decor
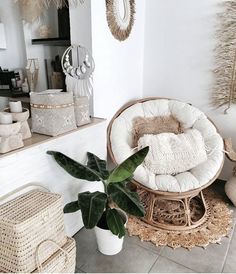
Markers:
(119, 25)
(32, 9)
(224, 90)
(32, 72)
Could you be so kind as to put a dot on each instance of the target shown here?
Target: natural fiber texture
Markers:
(224, 90)
(154, 125)
(120, 28)
(52, 112)
(172, 154)
(62, 261)
(32, 10)
(25, 222)
(217, 225)
(230, 150)
(82, 112)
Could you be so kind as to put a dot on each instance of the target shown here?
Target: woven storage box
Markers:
(82, 115)
(25, 222)
(62, 261)
(52, 112)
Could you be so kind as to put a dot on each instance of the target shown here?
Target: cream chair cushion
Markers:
(121, 140)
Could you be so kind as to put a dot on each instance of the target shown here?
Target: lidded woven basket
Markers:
(25, 222)
(63, 261)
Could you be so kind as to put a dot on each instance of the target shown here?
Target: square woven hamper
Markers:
(25, 222)
(52, 112)
(63, 261)
(82, 113)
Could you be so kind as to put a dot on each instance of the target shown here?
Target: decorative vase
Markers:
(22, 117)
(108, 243)
(10, 137)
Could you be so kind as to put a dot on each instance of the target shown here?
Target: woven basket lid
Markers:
(27, 206)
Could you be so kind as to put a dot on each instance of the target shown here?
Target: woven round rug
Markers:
(217, 225)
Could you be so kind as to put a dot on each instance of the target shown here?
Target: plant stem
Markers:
(105, 186)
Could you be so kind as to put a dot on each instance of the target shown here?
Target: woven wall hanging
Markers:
(224, 90)
(31, 10)
(120, 25)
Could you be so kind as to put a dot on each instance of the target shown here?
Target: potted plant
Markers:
(97, 208)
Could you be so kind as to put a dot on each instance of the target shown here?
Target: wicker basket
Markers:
(63, 261)
(25, 222)
(52, 112)
(82, 115)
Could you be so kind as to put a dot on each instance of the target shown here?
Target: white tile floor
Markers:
(145, 257)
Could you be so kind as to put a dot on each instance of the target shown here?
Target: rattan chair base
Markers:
(173, 212)
(218, 223)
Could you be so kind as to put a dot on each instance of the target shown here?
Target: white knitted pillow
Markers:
(171, 154)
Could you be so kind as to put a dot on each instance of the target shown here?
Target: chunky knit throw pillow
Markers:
(171, 154)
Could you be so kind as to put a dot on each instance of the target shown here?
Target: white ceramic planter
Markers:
(22, 117)
(108, 243)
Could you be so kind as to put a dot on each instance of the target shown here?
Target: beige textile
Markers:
(154, 125)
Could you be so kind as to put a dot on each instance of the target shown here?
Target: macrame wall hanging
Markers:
(224, 90)
(120, 25)
(79, 74)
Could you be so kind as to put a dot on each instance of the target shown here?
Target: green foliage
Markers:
(125, 199)
(93, 205)
(115, 222)
(127, 168)
(72, 207)
(98, 165)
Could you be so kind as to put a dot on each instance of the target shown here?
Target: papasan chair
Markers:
(172, 201)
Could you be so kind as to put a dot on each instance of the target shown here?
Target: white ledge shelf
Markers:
(38, 139)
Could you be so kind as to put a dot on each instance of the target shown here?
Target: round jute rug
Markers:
(217, 225)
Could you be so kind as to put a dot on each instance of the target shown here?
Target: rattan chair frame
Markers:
(183, 198)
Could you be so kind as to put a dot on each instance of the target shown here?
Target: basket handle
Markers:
(37, 260)
(24, 187)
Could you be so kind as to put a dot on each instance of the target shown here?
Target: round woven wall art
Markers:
(120, 25)
(217, 225)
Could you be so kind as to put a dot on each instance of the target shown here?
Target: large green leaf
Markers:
(97, 164)
(127, 168)
(126, 199)
(71, 207)
(115, 222)
(92, 206)
(74, 168)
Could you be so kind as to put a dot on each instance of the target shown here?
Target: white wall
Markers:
(119, 65)
(34, 166)
(15, 55)
(178, 57)
(80, 25)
